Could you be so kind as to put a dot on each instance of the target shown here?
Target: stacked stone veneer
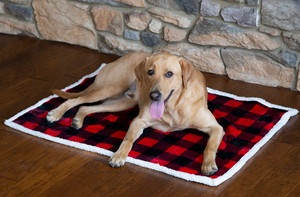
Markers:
(257, 41)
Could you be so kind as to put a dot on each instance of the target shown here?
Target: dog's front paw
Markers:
(52, 116)
(209, 168)
(77, 123)
(117, 160)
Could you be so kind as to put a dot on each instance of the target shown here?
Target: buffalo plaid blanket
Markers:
(248, 124)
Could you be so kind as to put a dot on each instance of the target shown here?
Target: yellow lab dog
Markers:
(170, 92)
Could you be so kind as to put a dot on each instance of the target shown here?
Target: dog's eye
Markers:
(169, 74)
(150, 72)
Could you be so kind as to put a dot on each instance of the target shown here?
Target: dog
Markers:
(170, 92)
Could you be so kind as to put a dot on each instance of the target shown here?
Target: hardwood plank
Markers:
(278, 182)
(43, 164)
(254, 171)
(42, 178)
(22, 93)
(55, 59)
(125, 181)
(295, 192)
(9, 138)
(11, 50)
(27, 92)
(290, 132)
(5, 186)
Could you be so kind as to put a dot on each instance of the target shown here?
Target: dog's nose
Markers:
(155, 95)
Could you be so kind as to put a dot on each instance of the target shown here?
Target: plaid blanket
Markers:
(247, 124)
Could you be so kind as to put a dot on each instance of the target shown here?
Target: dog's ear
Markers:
(138, 71)
(187, 71)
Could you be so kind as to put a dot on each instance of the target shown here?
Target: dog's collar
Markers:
(169, 96)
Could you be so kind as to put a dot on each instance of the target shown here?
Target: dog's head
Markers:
(160, 77)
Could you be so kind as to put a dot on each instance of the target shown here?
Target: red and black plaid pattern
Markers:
(245, 123)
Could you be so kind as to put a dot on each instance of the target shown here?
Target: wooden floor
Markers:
(30, 166)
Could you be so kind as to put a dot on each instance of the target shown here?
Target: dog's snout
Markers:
(155, 95)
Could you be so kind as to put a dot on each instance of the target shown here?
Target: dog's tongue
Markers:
(157, 109)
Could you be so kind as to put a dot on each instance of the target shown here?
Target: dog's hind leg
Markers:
(114, 79)
(90, 97)
(110, 105)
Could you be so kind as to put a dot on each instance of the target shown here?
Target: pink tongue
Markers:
(157, 109)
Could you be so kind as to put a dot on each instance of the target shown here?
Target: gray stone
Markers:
(136, 20)
(155, 26)
(236, 1)
(131, 35)
(108, 2)
(287, 58)
(19, 11)
(209, 8)
(180, 20)
(107, 19)
(298, 81)
(292, 40)
(189, 6)
(109, 43)
(283, 14)
(65, 21)
(150, 39)
(18, 1)
(270, 31)
(215, 32)
(206, 26)
(252, 2)
(256, 68)
(11, 25)
(2, 11)
(243, 16)
(172, 34)
(206, 60)
(135, 3)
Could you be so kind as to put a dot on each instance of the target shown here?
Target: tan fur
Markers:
(115, 84)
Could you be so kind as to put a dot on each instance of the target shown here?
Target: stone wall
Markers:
(257, 41)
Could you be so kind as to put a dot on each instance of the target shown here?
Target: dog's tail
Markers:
(67, 95)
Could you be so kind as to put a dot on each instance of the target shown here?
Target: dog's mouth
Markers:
(157, 108)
